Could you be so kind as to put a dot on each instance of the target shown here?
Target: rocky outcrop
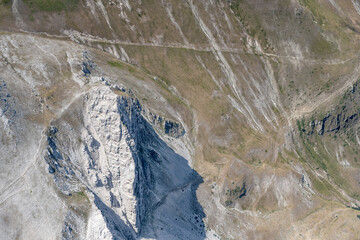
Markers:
(87, 65)
(7, 106)
(343, 117)
(60, 165)
(137, 182)
(333, 122)
(169, 127)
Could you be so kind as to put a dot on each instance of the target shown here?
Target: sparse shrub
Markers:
(228, 202)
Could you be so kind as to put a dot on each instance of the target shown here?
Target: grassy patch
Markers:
(116, 64)
(315, 152)
(322, 187)
(321, 46)
(133, 70)
(315, 9)
(319, 159)
(81, 194)
(228, 203)
(6, 2)
(249, 20)
(51, 5)
(328, 19)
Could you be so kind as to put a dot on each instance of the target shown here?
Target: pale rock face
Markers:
(139, 186)
(96, 228)
(115, 168)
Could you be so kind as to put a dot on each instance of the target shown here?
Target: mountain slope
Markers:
(236, 111)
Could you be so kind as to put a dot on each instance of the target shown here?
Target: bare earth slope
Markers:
(179, 119)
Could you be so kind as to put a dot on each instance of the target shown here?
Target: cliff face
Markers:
(343, 116)
(135, 179)
(179, 119)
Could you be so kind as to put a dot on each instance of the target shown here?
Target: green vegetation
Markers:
(6, 2)
(318, 157)
(249, 20)
(237, 191)
(82, 194)
(321, 46)
(228, 202)
(315, 9)
(51, 5)
(322, 187)
(222, 150)
(315, 152)
(282, 159)
(255, 161)
(116, 64)
(301, 126)
(329, 20)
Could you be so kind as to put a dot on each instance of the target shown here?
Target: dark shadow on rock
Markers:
(118, 228)
(165, 185)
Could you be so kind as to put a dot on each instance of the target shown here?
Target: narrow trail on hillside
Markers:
(40, 145)
(76, 36)
(328, 98)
